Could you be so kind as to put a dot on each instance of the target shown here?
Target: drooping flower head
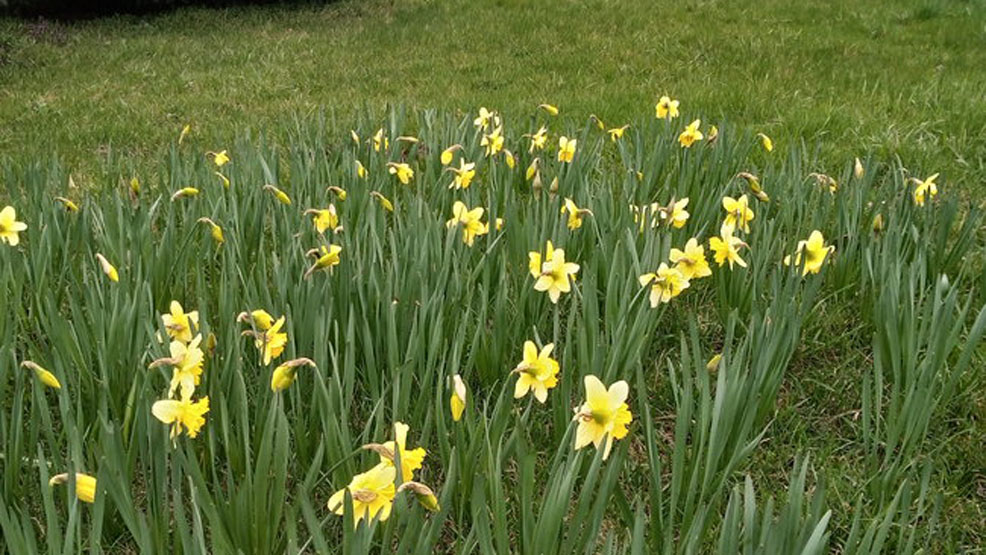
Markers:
(403, 171)
(327, 258)
(85, 485)
(46, 377)
(575, 213)
(604, 416)
(285, 374)
(324, 218)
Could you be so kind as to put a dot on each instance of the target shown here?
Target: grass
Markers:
(863, 453)
(847, 77)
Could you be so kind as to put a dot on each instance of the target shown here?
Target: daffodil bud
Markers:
(68, 204)
(184, 192)
(108, 268)
(46, 377)
(423, 494)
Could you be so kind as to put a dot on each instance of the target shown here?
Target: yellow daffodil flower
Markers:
(424, 495)
(380, 141)
(457, 403)
(665, 284)
(690, 134)
(403, 172)
(360, 170)
(574, 213)
(538, 139)
(738, 213)
(755, 186)
(135, 185)
(214, 230)
(677, 216)
(280, 195)
(384, 202)
(813, 251)
(768, 144)
(271, 341)
(186, 361)
(857, 169)
(499, 224)
(713, 363)
(463, 175)
(325, 218)
(259, 319)
(178, 323)
(182, 413)
(666, 108)
(532, 169)
(552, 110)
(372, 493)
(726, 248)
(46, 377)
(484, 119)
(566, 149)
(220, 158)
(537, 372)
(927, 188)
(68, 204)
(448, 153)
(493, 141)
(509, 158)
(469, 220)
(554, 273)
(10, 227)
(616, 133)
(108, 268)
(411, 459)
(285, 374)
(185, 192)
(691, 262)
(328, 257)
(604, 416)
(85, 485)
(184, 133)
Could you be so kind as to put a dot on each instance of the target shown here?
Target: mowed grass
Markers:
(846, 77)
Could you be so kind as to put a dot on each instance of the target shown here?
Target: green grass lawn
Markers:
(899, 86)
(847, 77)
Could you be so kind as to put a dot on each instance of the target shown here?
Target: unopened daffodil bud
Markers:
(46, 377)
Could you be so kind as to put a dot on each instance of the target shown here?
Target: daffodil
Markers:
(498, 224)
(566, 149)
(665, 284)
(220, 158)
(676, 215)
(184, 133)
(10, 227)
(552, 110)
(484, 118)
(713, 364)
(539, 139)
(755, 186)
(616, 133)
(285, 374)
(185, 192)
(464, 175)
(537, 372)
(46, 377)
(411, 459)
(924, 189)
(259, 319)
(555, 273)
(384, 202)
(68, 204)
(403, 171)
(469, 220)
(599, 123)
(493, 141)
(178, 323)
(338, 191)
(108, 268)
(327, 258)
(813, 251)
(324, 218)
(508, 157)
(857, 169)
(457, 402)
(372, 493)
(575, 213)
(186, 361)
(604, 416)
(214, 230)
(666, 108)
(360, 170)
(270, 341)
(448, 153)
(690, 134)
(425, 496)
(280, 195)
(380, 141)
(691, 262)
(713, 135)
(182, 413)
(85, 485)
(354, 136)
(768, 144)
(652, 212)
(738, 213)
(532, 169)
(135, 185)
(726, 248)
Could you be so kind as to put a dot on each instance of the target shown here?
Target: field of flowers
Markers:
(475, 333)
